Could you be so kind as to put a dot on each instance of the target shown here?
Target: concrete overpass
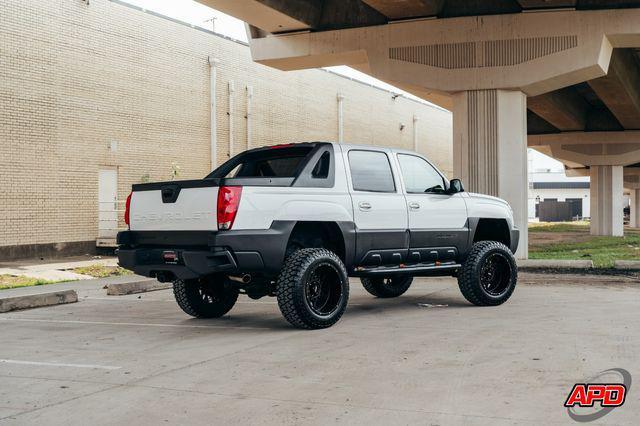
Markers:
(560, 75)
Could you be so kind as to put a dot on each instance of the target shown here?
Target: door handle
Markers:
(364, 206)
(414, 206)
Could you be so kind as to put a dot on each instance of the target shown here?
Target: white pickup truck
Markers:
(295, 221)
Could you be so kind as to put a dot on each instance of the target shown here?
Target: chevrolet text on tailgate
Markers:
(295, 221)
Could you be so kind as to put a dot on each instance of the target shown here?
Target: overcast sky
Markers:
(200, 15)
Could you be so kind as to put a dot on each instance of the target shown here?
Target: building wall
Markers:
(100, 86)
(560, 195)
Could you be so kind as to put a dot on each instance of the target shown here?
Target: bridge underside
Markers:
(285, 16)
(561, 76)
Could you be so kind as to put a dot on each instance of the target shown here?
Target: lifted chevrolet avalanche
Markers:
(295, 221)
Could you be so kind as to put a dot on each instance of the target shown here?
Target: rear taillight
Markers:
(127, 210)
(228, 202)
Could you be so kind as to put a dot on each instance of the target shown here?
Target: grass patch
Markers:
(603, 251)
(577, 226)
(571, 241)
(101, 271)
(13, 281)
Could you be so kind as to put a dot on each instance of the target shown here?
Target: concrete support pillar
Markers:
(635, 208)
(606, 201)
(490, 149)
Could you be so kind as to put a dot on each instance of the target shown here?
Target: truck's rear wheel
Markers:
(489, 274)
(208, 297)
(388, 286)
(313, 288)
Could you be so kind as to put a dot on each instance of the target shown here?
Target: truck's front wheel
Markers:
(489, 274)
(207, 297)
(313, 288)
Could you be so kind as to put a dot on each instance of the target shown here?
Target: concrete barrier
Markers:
(554, 264)
(29, 301)
(629, 265)
(133, 287)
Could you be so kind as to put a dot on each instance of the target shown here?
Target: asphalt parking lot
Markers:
(427, 357)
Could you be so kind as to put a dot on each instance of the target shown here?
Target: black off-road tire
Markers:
(310, 276)
(207, 297)
(388, 286)
(489, 275)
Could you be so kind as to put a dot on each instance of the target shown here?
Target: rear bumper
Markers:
(188, 264)
(200, 253)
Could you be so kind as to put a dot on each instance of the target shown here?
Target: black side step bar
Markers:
(419, 269)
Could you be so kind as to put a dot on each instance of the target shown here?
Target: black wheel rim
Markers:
(495, 275)
(210, 293)
(323, 289)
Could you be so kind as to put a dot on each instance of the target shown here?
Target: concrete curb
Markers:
(629, 265)
(29, 301)
(133, 287)
(554, 264)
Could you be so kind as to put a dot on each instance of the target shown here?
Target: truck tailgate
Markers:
(174, 207)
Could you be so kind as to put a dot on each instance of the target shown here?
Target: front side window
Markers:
(371, 171)
(419, 176)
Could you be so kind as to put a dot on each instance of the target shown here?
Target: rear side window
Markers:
(371, 171)
(321, 169)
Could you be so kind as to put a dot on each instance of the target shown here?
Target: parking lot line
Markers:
(57, 364)
(247, 302)
(171, 300)
(135, 324)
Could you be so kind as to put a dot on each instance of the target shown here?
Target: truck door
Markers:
(437, 220)
(379, 208)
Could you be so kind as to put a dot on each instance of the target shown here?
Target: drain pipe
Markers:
(415, 133)
(213, 118)
(340, 118)
(249, 113)
(232, 89)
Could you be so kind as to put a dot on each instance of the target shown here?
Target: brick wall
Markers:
(75, 78)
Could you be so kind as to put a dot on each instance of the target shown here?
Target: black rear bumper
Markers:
(199, 253)
(150, 262)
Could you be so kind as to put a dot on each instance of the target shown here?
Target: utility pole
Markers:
(213, 23)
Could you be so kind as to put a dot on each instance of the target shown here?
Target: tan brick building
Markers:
(105, 89)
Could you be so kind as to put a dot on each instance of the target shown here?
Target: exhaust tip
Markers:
(244, 278)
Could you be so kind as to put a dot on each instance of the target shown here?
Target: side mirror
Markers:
(455, 186)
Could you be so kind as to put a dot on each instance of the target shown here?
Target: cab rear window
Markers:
(279, 162)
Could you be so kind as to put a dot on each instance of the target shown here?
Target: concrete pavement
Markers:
(427, 357)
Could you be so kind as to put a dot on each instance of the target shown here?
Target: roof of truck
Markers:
(344, 145)
(375, 147)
